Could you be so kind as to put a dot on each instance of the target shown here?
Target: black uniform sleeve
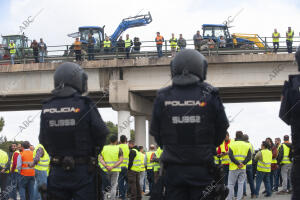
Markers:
(248, 158)
(155, 121)
(98, 127)
(280, 155)
(232, 157)
(42, 137)
(221, 123)
(285, 106)
(132, 155)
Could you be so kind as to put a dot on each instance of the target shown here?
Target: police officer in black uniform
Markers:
(72, 132)
(188, 122)
(290, 114)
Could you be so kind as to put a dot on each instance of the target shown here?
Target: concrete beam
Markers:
(139, 105)
(119, 95)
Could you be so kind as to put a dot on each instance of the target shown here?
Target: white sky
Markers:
(59, 18)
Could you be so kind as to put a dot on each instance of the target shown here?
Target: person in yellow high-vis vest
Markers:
(156, 163)
(173, 44)
(289, 39)
(12, 51)
(274, 165)
(275, 37)
(264, 161)
(222, 152)
(41, 161)
(14, 172)
(149, 166)
(107, 45)
(285, 163)
(240, 155)
(134, 168)
(3, 169)
(249, 168)
(111, 158)
(122, 181)
(143, 169)
(128, 45)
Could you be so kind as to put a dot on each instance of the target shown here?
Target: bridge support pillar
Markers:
(140, 130)
(124, 123)
(151, 139)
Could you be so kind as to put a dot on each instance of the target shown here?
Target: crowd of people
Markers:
(271, 164)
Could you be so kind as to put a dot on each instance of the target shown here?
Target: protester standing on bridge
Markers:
(240, 155)
(120, 45)
(107, 45)
(123, 179)
(284, 160)
(222, 42)
(173, 45)
(77, 49)
(275, 37)
(91, 47)
(188, 132)
(12, 51)
(111, 157)
(181, 43)
(35, 47)
(274, 161)
(159, 42)
(42, 50)
(264, 158)
(289, 39)
(73, 133)
(197, 41)
(128, 45)
(136, 45)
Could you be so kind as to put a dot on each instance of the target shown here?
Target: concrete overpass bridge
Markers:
(129, 85)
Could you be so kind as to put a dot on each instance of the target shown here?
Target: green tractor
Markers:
(22, 47)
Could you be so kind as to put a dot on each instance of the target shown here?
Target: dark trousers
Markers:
(3, 183)
(134, 185)
(127, 51)
(296, 179)
(249, 172)
(78, 184)
(188, 193)
(159, 50)
(36, 56)
(150, 178)
(226, 173)
(276, 46)
(123, 182)
(78, 55)
(289, 45)
(276, 178)
(91, 53)
(265, 177)
(106, 50)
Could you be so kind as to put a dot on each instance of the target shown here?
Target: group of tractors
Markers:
(210, 31)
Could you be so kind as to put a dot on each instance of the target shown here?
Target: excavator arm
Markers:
(130, 22)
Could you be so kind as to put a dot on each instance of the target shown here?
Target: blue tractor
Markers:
(98, 32)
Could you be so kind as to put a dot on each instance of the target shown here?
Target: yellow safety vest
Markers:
(125, 150)
(240, 151)
(173, 42)
(286, 153)
(149, 163)
(156, 165)
(3, 160)
(11, 161)
(107, 44)
(252, 152)
(217, 159)
(265, 164)
(110, 154)
(225, 159)
(275, 37)
(136, 165)
(43, 164)
(143, 168)
(290, 36)
(127, 43)
(12, 48)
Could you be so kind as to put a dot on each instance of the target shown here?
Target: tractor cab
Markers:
(215, 31)
(21, 42)
(84, 31)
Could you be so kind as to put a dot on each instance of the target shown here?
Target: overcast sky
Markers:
(59, 18)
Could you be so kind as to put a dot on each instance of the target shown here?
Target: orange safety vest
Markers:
(27, 157)
(77, 45)
(159, 39)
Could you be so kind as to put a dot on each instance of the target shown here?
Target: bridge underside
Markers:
(229, 95)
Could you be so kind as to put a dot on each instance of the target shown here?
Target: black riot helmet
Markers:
(297, 55)
(188, 67)
(69, 78)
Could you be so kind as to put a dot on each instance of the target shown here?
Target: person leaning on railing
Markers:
(77, 49)
(275, 37)
(289, 39)
(107, 45)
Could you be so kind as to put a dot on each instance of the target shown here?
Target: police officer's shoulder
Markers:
(164, 90)
(209, 88)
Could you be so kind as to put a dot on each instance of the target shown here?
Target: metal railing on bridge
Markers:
(61, 53)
